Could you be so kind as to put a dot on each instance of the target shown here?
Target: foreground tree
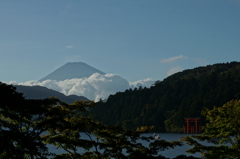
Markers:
(23, 123)
(27, 126)
(19, 130)
(223, 130)
(102, 142)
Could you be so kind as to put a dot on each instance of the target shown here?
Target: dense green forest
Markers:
(28, 127)
(167, 102)
(164, 105)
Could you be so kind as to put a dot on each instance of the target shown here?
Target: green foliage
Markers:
(19, 132)
(222, 129)
(23, 122)
(167, 102)
(104, 141)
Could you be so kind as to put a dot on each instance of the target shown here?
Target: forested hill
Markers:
(165, 104)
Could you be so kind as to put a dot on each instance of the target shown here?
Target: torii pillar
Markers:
(192, 125)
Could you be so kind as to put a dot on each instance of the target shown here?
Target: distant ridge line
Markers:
(39, 92)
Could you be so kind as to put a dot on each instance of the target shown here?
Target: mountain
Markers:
(167, 102)
(39, 92)
(72, 70)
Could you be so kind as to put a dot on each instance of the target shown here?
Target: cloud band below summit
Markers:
(97, 86)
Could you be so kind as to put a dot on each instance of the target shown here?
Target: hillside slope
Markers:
(165, 104)
(39, 92)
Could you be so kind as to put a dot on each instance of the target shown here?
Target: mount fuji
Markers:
(80, 79)
(72, 70)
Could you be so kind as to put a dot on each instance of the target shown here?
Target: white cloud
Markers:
(144, 83)
(174, 70)
(172, 59)
(69, 46)
(94, 87)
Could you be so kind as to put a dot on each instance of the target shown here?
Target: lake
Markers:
(166, 136)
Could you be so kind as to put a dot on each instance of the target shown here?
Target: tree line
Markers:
(167, 102)
(27, 126)
(23, 123)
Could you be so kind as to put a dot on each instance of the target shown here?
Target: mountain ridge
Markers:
(167, 102)
(39, 92)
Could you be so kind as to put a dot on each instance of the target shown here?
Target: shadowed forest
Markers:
(167, 102)
(210, 92)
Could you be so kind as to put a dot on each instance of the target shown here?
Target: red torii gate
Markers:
(192, 125)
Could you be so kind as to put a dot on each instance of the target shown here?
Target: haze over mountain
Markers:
(72, 70)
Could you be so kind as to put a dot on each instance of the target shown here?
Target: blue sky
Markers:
(136, 39)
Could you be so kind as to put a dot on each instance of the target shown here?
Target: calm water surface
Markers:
(166, 136)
